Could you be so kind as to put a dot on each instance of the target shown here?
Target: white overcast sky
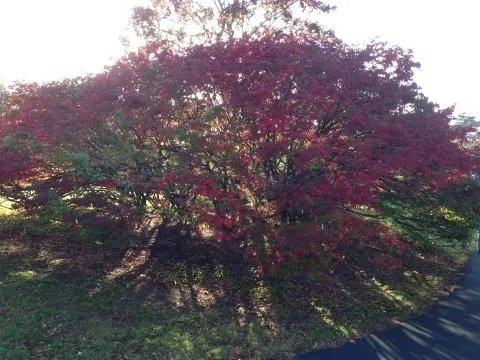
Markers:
(42, 40)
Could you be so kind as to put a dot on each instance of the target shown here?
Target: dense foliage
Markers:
(285, 143)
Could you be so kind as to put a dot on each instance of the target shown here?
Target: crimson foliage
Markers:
(285, 144)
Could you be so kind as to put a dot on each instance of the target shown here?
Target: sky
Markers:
(444, 36)
(43, 40)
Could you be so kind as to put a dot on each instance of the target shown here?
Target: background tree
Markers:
(176, 22)
(464, 120)
(3, 98)
(441, 216)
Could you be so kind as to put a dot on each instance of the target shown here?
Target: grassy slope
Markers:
(64, 300)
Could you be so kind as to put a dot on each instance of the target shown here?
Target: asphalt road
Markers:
(449, 331)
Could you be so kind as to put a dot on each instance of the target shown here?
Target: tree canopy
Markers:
(281, 140)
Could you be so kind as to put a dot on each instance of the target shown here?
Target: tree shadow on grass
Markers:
(447, 331)
(205, 302)
(210, 304)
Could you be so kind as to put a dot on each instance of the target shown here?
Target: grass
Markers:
(5, 207)
(63, 299)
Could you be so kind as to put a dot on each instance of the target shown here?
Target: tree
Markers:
(3, 98)
(441, 215)
(283, 144)
(466, 121)
(187, 22)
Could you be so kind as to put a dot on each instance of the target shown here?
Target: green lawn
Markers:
(61, 299)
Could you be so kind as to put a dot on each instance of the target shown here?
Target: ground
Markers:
(65, 298)
(447, 331)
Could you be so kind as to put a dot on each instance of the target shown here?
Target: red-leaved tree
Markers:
(284, 144)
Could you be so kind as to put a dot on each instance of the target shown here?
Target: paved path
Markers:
(449, 331)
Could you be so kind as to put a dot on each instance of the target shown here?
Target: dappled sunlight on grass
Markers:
(13, 248)
(324, 313)
(396, 296)
(24, 275)
(327, 317)
(180, 297)
(132, 260)
(106, 303)
(6, 207)
(433, 280)
(205, 297)
(56, 262)
(44, 254)
(241, 315)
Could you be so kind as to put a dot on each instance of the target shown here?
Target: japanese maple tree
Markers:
(285, 144)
